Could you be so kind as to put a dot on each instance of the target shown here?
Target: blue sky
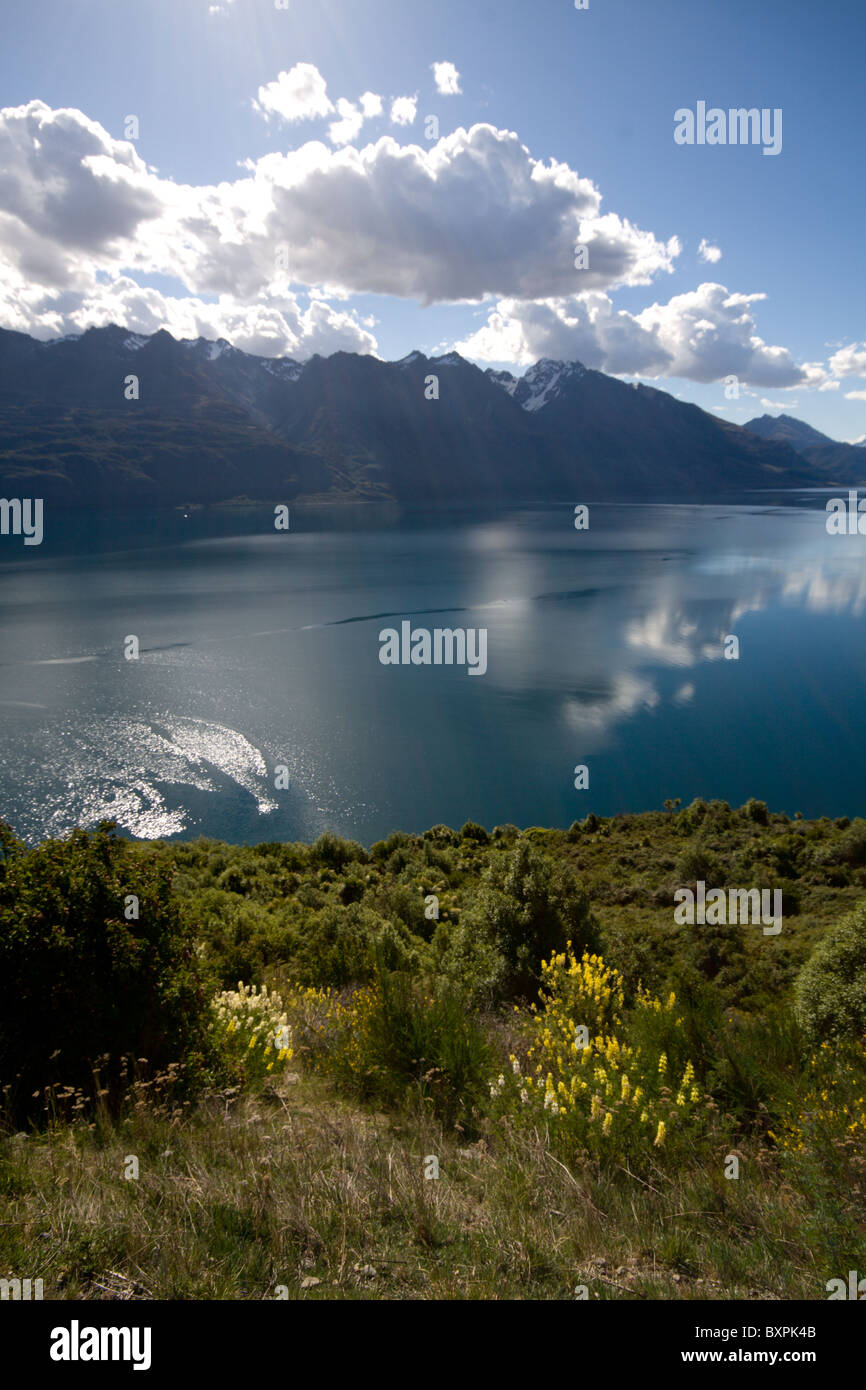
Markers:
(461, 243)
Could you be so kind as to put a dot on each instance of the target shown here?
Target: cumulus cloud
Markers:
(301, 94)
(472, 217)
(703, 336)
(447, 79)
(276, 328)
(706, 252)
(779, 405)
(855, 395)
(849, 361)
(404, 110)
(371, 105)
(69, 191)
(342, 132)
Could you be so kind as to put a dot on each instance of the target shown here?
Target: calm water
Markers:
(261, 648)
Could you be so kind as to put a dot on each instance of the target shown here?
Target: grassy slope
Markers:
(241, 1193)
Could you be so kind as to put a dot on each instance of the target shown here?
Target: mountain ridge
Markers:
(213, 423)
(834, 460)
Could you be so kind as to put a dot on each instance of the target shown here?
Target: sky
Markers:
(302, 176)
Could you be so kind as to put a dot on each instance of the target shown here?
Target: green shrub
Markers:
(331, 852)
(78, 981)
(831, 987)
(851, 848)
(409, 1044)
(334, 947)
(472, 831)
(525, 910)
(696, 863)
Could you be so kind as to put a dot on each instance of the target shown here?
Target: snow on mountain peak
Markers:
(218, 349)
(284, 367)
(540, 383)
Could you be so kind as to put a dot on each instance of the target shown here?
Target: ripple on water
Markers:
(133, 771)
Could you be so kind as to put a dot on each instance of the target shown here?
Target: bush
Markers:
(335, 946)
(472, 831)
(851, 849)
(78, 980)
(696, 863)
(398, 1044)
(333, 853)
(584, 1081)
(831, 987)
(526, 909)
(252, 1032)
(442, 835)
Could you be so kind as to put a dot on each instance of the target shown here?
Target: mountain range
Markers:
(835, 461)
(212, 423)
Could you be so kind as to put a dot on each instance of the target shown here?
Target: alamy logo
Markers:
(856, 1288)
(442, 647)
(846, 520)
(23, 1289)
(19, 517)
(75, 1343)
(718, 908)
(738, 126)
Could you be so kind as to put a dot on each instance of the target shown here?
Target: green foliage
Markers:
(472, 831)
(849, 848)
(831, 987)
(77, 980)
(696, 863)
(334, 853)
(524, 911)
(413, 1045)
(756, 811)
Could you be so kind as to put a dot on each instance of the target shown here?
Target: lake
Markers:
(259, 650)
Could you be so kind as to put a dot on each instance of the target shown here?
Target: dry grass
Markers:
(297, 1188)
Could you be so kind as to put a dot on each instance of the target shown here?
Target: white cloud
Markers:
(855, 395)
(447, 79)
(472, 217)
(404, 110)
(371, 105)
(849, 361)
(301, 94)
(703, 336)
(343, 131)
(706, 252)
(278, 327)
(779, 405)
